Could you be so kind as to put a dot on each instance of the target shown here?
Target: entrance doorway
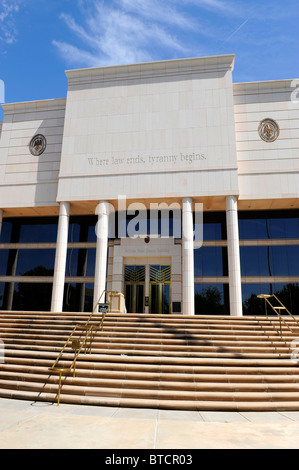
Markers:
(135, 288)
(154, 279)
(160, 285)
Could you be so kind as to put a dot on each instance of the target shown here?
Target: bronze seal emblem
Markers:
(37, 145)
(268, 130)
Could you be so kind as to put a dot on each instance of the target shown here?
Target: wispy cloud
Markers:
(111, 32)
(124, 31)
(8, 32)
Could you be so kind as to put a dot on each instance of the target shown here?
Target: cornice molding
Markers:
(271, 86)
(147, 70)
(42, 105)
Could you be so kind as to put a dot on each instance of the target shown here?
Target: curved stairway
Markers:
(153, 361)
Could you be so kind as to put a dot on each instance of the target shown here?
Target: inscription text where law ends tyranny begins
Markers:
(144, 163)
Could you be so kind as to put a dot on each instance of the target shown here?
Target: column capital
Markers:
(103, 207)
(231, 203)
(64, 208)
(187, 203)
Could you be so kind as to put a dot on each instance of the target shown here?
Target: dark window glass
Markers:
(82, 229)
(268, 225)
(29, 230)
(80, 262)
(288, 294)
(210, 261)
(78, 297)
(32, 296)
(35, 262)
(2, 287)
(214, 226)
(6, 231)
(3, 262)
(269, 260)
(211, 299)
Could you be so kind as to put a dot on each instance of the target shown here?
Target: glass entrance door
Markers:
(135, 288)
(159, 289)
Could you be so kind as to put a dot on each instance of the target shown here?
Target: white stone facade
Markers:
(176, 131)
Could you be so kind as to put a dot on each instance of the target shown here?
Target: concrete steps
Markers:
(171, 362)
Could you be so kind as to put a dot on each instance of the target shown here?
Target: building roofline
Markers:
(267, 86)
(33, 105)
(152, 69)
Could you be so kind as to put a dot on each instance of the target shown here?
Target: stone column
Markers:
(101, 252)
(60, 258)
(233, 250)
(188, 257)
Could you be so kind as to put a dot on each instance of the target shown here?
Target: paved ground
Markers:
(34, 425)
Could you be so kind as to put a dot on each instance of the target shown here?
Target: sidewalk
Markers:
(37, 425)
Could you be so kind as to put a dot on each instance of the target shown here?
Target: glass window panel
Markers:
(78, 297)
(32, 296)
(214, 226)
(88, 301)
(92, 237)
(91, 261)
(165, 299)
(29, 230)
(35, 262)
(269, 260)
(3, 262)
(139, 298)
(6, 231)
(38, 233)
(82, 229)
(155, 298)
(288, 294)
(80, 262)
(268, 225)
(211, 299)
(210, 261)
(71, 262)
(129, 296)
(73, 233)
(2, 287)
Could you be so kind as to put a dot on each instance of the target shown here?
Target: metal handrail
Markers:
(277, 310)
(76, 345)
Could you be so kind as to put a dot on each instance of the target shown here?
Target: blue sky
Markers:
(40, 39)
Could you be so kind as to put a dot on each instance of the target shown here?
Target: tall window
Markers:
(211, 267)
(27, 257)
(269, 254)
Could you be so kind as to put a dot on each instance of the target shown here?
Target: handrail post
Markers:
(59, 388)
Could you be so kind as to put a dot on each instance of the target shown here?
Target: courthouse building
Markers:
(164, 181)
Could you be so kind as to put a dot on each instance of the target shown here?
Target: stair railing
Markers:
(77, 345)
(277, 309)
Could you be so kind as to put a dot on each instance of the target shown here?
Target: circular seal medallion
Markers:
(37, 145)
(268, 130)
